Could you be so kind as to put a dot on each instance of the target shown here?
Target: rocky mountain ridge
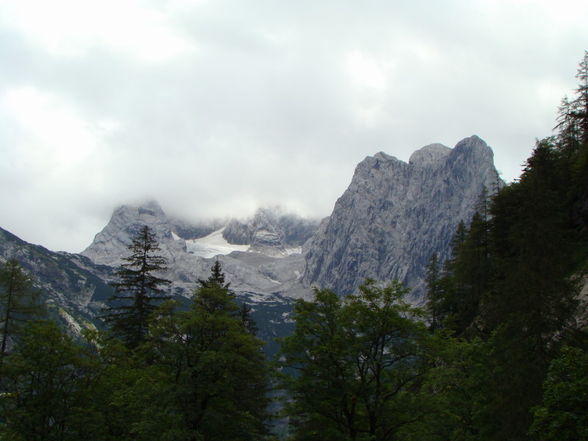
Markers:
(262, 254)
(394, 215)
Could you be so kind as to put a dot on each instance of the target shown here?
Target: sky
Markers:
(217, 107)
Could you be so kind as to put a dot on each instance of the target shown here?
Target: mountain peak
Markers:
(429, 155)
(473, 142)
(126, 220)
(385, 156)
(394, 216)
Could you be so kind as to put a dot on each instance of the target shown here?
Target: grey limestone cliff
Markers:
(394, 215)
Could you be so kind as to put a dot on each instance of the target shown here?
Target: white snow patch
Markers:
(175, 236)
(213, 245)
(295, 250)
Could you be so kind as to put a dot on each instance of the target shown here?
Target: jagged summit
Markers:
(110, 244)
(385, 156)
(395, 215)
(473, 142)
(429, 155)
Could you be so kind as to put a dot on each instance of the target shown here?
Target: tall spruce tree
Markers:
(216, 366)
(138, 289)
(19, 301)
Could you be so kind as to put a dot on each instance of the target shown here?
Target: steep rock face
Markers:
(395, 215)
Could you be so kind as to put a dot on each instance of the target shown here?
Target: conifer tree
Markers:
(216, 366)
(582, 97)
(434, 292)
(19, 301)
(216, 278)
(138, 289)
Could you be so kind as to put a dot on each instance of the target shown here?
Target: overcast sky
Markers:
(216, 107)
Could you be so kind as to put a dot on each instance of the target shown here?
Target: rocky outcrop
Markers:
(270, 231)
(110, 245)
(395, 215)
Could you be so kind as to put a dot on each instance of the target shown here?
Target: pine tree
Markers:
(216, 366)
(532, 298)
(582, 97)
(19, 301)
(216, 278)
(138, 290)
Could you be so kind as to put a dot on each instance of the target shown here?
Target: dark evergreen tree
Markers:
(138, 289)
(248, 321)
(216, 366)
(581, 101)
(533, 297)
(435, 293)
(19, 302)
(216, 278)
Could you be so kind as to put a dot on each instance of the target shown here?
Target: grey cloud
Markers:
(262, 110)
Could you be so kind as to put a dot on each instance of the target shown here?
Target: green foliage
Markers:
(454, 392)
(45, 380)
(19, 302)
(454, 296)
(138, 289)
(563, 415)
(198, 375)
(356, 363)
(215, 366)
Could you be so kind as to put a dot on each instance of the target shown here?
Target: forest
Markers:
(497, 351)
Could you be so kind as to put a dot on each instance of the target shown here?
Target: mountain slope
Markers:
(72, 285)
